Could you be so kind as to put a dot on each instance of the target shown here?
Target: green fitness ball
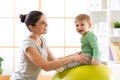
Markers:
(86, 72)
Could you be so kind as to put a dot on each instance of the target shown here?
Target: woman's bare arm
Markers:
(50, 55)
(38, 60)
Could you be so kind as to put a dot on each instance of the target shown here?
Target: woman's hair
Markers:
(31, 18)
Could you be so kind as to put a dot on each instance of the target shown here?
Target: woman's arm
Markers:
(50, 55)
(82, 59)
(38, 60)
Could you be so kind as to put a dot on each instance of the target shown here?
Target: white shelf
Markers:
(102, 18)
(115, 9)
(114, 36)
(113, 62)
(99, 10)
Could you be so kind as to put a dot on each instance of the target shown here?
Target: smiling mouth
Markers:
(80, 31)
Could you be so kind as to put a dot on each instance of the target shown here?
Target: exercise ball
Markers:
(86, 72)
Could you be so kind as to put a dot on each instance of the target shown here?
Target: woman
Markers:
(35, 54)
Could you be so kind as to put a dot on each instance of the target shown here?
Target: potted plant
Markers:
(116, 30)
(3, 77)
(1, 70)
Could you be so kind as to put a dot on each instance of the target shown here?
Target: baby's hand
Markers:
(95, 61)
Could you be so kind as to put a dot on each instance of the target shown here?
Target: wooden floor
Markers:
(45, 77)
(41, 77)
(4, 77)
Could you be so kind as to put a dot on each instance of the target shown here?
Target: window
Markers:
(61, 38)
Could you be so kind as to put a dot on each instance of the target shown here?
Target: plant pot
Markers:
(116, 31)
(4, 77)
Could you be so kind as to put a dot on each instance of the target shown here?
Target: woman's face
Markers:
(41, 26)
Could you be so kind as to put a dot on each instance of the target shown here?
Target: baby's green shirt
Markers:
(89, 45)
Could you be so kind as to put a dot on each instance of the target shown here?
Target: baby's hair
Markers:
(83, 17)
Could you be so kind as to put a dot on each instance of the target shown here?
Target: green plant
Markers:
(116, 24)
(1, 70)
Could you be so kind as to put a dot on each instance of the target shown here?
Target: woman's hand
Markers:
(79, 57)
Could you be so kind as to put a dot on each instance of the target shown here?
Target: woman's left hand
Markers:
(82, 59)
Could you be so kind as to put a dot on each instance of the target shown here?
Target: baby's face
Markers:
(82, 27)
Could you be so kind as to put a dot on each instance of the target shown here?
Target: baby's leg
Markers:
(89, 57)
(74, 64)
(71, 65)
(68, 66)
